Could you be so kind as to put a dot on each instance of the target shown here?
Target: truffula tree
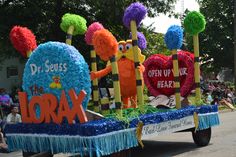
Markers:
(194, 23)
(73, 24)
(106, 46)
(132, 19)
(23, 40)
(88, 38)
(174, 40)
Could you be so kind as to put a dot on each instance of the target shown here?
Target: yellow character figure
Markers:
(56, 82)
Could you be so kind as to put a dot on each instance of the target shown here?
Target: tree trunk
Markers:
(235, 46)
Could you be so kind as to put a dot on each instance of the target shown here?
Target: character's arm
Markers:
(101, 73)
(141, 68)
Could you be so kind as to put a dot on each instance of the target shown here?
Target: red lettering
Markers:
(37, 100)
(48, 105)
(24, 107)
(51, 114)
(64, 109)
(77, 106)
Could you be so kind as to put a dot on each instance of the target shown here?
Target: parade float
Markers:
(57, 86)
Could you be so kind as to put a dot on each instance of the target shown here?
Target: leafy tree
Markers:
(217, 40)
(155, 42)
(43, 17)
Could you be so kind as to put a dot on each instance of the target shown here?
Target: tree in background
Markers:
(155, 42)
(43, 17)
(217, 40)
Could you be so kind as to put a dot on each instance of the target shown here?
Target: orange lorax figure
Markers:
(126, 70)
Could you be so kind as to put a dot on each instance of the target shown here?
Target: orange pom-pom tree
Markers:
(105, 44)
(106, 47)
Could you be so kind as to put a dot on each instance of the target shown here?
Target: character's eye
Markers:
(128, 46)
(121, 47)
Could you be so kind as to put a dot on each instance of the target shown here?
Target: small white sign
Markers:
(167, 127)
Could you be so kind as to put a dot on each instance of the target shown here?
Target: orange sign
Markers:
(49, 109)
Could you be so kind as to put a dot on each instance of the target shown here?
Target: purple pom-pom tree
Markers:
(132, 19)
(142, 42)
(135, 12)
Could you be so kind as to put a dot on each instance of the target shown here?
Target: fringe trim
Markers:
(100, 145)
(208, 120)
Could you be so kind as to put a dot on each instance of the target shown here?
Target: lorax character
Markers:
(126, 68)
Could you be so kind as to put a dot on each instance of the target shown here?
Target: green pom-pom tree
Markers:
(194, 23)
(73, 24)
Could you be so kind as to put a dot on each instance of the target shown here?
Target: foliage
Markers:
(43, 17)
(217, 40)
(155, 42)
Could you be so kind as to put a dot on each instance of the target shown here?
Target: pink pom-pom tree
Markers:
(91, 30)
(88, 39)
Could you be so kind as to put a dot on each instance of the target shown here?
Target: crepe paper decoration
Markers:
(88, 38)
(174, 37)
(23, 40)
(158, 75)
(108, 125)
(135, 12)
(194, 23)
(91, 30)
(132, 18)
(106, 46)
(173, 40)
(142, 42)
(56, 59)
(73, 24)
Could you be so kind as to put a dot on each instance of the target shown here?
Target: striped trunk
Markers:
(28, 53)
(116, 85)
(105, 106)
(176, 78)
(95, 82)
(136, 63)
(196, 68)
(69, 35)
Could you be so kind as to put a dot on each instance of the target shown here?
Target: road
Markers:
(223, 143)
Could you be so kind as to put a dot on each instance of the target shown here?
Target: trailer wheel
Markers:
(202, 137)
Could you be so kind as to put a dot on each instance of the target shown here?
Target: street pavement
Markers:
(223, 143)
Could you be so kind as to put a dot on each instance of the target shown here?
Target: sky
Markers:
(163, 22)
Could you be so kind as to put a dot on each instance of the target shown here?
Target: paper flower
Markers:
(105, 44)
(174, 37)
(77, 21)
(142, 42)
(194, 23)
(136, 11)
(23, 40)
(56, 59)
(91, 30)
